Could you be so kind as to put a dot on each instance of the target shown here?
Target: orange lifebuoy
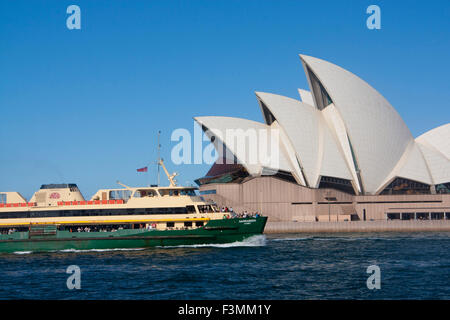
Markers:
(153, 225)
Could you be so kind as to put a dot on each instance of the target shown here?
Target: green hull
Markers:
(214, 232)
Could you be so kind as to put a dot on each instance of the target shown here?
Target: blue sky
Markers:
(84, 106)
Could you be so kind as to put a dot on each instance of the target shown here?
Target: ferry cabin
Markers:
(159, 208)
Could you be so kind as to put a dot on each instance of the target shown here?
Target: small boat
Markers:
(57, 217)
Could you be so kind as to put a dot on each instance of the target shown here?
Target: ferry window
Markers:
(180, 210)
(151, 193)
(188, 224)
(3, 198)
(205, 208)
(119, 194)
(145, 193)
(190, 209)
(199, 224)
(170, 224)
(170, 192)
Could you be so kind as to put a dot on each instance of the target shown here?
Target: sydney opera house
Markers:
(344, 154)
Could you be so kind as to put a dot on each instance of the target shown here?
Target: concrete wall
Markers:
(285, 201)
(357, 226)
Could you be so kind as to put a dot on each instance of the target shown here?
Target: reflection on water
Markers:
(285, 266)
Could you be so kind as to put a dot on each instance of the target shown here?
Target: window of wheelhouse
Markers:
(2, 198)
(176, 192)
(119, 195)
(73, 188)
(144, 193)
(205, 208)
(190, 209)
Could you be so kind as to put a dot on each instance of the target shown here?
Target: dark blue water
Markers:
(319, 266)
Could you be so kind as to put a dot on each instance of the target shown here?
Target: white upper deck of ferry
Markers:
(68, 194)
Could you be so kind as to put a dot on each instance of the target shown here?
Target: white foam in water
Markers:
(291, 239)
(253, 241)
(22, 252)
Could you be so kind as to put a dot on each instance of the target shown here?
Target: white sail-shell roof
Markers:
(438, 164)
(254, 163)
(306, 96)
(311, 138)
(437, 139)
(435, 147)
(412, 165)
(337, 127)
(342, 128)
(376, 131)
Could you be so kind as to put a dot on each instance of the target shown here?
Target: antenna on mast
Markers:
(159, 155)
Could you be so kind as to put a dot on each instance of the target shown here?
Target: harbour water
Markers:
(275, 266)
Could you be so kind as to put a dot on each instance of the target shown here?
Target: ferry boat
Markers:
(57, 217)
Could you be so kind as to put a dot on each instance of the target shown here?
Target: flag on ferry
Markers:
(144, 169)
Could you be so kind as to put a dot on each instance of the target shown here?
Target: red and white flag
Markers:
(144, 169)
